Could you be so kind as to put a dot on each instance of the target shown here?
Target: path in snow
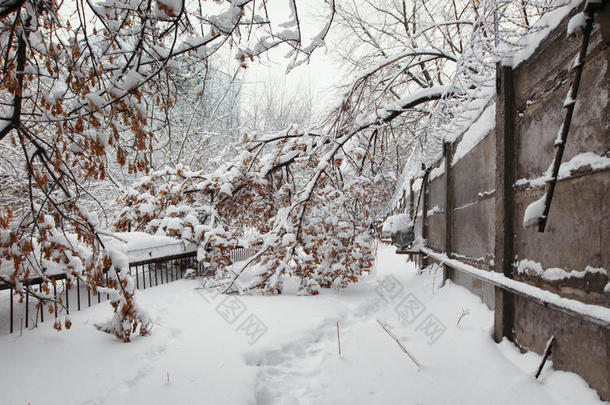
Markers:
(195, 356)
(463, 366)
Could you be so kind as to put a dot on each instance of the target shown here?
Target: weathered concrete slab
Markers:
(540, 113)
(482, 290)
(474, 174)
(473, 229)
(581, 346)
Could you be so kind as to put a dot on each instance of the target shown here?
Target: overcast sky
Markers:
(321, 73)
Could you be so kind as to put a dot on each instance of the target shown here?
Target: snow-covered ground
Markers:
(283, 350)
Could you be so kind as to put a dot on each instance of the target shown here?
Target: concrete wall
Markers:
(578, 228)
(473, 211)
(577, 234)
(581, 347)
(435, 210)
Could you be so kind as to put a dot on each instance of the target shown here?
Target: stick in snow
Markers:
(400, 344)
(338, 338)
(463, 314)
(547, 354)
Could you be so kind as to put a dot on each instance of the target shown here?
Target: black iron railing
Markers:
(17, 313)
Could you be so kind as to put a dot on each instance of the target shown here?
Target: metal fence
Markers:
(240, 254)
(17, 313)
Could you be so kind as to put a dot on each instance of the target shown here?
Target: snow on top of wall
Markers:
(532, 268)
(580, 161)
(472, 112)
(476, 133)
(546, 24)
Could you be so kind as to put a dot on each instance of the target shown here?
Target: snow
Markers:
(288, 35)
(534, 212)
(530, 267)
(143, 246)
(579, 162)
(289, 239)
(194, 356)
(545, 25)
(395, 223)
(6, 120)
(395, 58)
(569, 100)
(58, 91)
(227, 20)
(438, 171)
(171, 7)
(227, 189)
(559, 137)
(417, 184)
(435, 210)
(476, 133)
(408, 100)
(388, 226)
(95, 100)
(401, 221)
(576, 22)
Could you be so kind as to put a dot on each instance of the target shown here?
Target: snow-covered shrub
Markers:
(53, 250)
(128, 317)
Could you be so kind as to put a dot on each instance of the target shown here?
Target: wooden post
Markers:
(447, 151)
(424, 203)
(77, 292)
(412, 215)
(504, 234)
(41, 306)
(27, 308)
(411, 205)
(11, 309)
(55, 297)
(603, 19)
(67, 295)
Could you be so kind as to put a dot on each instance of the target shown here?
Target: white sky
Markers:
(321, 73)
